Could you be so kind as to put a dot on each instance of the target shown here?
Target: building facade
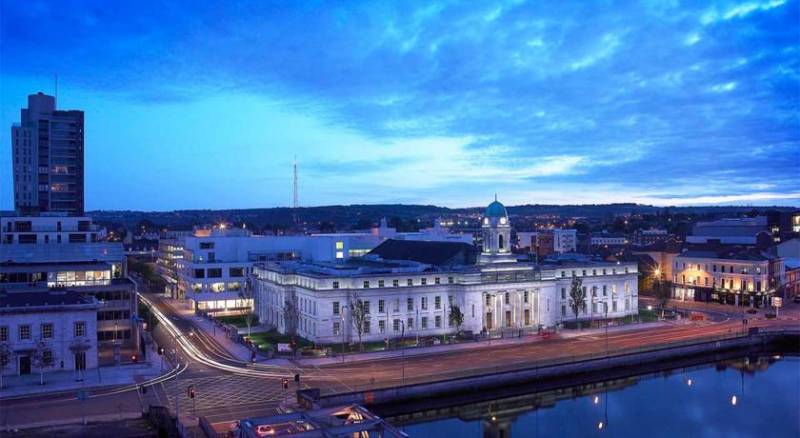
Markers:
(48, 331)
(49, 230)
(740, 277)
(47, 159)
(406, 298)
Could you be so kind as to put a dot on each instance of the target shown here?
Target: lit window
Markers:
(339, 245)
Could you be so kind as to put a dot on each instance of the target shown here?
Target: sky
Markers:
(206, 105)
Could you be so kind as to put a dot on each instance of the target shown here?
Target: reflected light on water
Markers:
(733, 400)
(596, 399)
(600, 425)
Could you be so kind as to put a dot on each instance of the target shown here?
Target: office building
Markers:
(731, 231)
(47, 159)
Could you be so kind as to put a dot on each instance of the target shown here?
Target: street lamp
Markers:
(342, 329)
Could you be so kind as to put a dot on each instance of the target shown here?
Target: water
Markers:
(740, 398)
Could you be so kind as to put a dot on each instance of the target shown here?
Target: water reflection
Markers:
(737, 398)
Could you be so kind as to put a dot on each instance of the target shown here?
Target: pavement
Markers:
(61, 381)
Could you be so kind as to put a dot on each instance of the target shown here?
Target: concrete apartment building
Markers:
(58, 327)
(47, 158)
(49, 229)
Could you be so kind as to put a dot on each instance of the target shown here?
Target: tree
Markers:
(247, 293)
(77, 346)
(291, 317)
(577, 296)
(456, 317)
(6, 354)
(359, 316)
(662, 293)
(42, 357)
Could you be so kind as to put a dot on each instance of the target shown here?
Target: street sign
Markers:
(777, 302)
(284, 348)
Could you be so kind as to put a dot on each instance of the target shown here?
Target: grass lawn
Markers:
(237, 320)
(272, 338)
(644, 316)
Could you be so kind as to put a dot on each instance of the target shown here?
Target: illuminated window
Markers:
(339, 245)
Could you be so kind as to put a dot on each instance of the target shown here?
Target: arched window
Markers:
(500, 242)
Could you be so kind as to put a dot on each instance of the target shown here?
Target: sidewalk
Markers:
(446, 348)
(237, 350)
(59, 381)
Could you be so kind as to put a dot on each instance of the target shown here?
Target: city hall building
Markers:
(408, 287)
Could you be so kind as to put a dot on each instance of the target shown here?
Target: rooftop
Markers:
(43, 299)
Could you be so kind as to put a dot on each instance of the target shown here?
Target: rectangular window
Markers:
(424, 281)
(236, 272)
(488, 300)
(410, 304)
(335, 307)
(380, 283)
(508, 318)
(365, 306)
(206, 245)
(507, 298)
(489, 321)
(395, 283)
(381, 306)
(215, 272)
(525, 297)
(199, 273)
(450, 300)
(366, 285)
(4, 333)
(336, 285)
(563, 311)
(47, 330)
(367, 327)
(382, 326)
(336, 327)
(563, 293)
(436, 280)
(24, 332)
(605, 289)
(527, 316)
(450, 280)
(424, 303)
(80, 329)
(424, 323)
(410, 282)
(613, 306)
(437, 302)
(438, 321)
(410, 324)
(396, 325)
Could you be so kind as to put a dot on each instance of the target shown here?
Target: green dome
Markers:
(496, 209)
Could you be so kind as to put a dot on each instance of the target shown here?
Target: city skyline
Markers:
(403, 103)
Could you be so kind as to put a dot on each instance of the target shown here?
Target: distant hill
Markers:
(364, 215)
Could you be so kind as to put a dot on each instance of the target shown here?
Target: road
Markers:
(228, 389)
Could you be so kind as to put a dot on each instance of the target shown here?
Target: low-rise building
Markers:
(732, 275)
(48, 331)
(548, 241)
(608, 239)
(730, 231)
(650, 236)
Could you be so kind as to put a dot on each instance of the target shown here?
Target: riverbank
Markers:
(597, 367)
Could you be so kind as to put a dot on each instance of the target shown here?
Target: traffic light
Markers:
(134, 358)
(190, 391)
(285, 383)
(160, 351)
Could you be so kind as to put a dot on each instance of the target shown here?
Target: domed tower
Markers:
(496, 231)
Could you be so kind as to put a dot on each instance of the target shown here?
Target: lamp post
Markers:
(402, 353)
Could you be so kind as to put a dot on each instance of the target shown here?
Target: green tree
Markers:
(358, 317)
(6, 354)
(662, 294)
(42, 358)
(577, 295)
(456, 317)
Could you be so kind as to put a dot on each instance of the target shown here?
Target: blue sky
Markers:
(195, 105)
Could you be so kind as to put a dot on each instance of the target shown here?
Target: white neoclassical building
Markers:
(408, 288)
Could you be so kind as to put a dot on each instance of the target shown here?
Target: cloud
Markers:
(645, 98)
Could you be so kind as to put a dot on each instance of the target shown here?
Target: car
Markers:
(752, 311)
(770, 315)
